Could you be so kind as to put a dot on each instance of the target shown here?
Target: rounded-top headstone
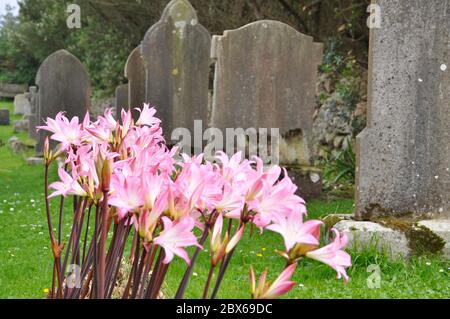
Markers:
(63, 85)
(176, 55)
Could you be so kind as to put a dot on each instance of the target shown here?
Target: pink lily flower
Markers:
(148, 220)
(127, 194)
(147, 117)
(152, 187)
(127, 122)
(108, 120)
(67, 186)
(333, 256)
(176, 236)
(99, 131)
(231, 203)
(68, 133)
(295, 231)
(234, 169)
(279, 287)
(278, 199)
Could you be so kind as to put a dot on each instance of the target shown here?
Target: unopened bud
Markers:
(106, 174)
(47, 155)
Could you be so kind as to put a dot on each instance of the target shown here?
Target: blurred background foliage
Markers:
(112, 28)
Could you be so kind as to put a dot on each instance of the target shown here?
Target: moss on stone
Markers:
(303, 169)
(330, 220)
(421, 240)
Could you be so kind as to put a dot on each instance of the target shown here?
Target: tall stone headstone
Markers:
(135, 73)
(121, 99)
(265, 77)
(27, 109)
(403, 156)
(33, 117)
(21, 104)
(176, 55)
(64, 85)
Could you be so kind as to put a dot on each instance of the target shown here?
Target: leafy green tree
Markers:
(112, 28)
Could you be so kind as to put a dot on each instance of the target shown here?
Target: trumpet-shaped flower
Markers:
(295, 231)
(231, 203)
(333, 255)
(152, 187)
(280, 286)
(67, 186)
(127, 122)
(176, 236)
(68, 133)
(147, 117)
(276, 200)
(148, 219)
(127, 194)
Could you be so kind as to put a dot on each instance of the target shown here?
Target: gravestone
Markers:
(63, 85)
(4, 117)
(176, 56)
(265, 77)
(11, 90)
(121, 99)
(403, 156)
(32, 118)
(21, 104)
(27, 109)
(135, 73)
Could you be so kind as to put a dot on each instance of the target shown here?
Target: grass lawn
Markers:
(26, 261)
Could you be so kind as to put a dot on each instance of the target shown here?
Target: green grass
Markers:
(26, 261)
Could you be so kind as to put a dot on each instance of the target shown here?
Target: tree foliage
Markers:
(112, 28)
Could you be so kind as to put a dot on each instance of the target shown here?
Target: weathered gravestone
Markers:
(27, 110)
(21, 104)
(403, 156)
(135, 73)
(4, 117)
(121, 99)
(33, 117)
(11, 90)
(265, 77)
(176, 55)
(64, 85)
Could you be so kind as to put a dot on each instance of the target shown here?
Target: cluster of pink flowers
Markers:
(128, 164)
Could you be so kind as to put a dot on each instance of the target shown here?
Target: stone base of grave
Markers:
(18, 146)
(21, 126)
(35, 161)
(396, 238)
(307, 179)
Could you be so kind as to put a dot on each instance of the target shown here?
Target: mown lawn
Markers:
(26, 261)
